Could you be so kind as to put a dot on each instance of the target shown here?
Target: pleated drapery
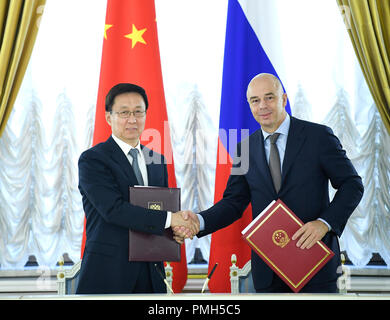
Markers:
(19, 24)
(368, 24)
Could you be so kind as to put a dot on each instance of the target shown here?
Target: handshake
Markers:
(184, 224)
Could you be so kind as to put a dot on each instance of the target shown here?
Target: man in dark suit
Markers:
(310, 156)
(105, 173)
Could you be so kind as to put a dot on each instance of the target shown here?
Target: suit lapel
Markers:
(295, 140)
(120, 158)
(151, 162)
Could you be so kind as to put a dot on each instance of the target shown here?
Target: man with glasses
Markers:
(105, 173)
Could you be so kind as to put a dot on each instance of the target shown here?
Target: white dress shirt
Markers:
(142, 166)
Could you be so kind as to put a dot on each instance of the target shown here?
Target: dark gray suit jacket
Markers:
(313, 157)
(105, 175)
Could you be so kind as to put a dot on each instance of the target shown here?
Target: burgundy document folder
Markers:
(270, 236)
(151, 247)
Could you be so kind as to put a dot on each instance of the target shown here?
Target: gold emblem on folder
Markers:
(280, 238)
(155, 205)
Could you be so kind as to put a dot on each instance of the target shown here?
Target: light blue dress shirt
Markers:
(280, 143)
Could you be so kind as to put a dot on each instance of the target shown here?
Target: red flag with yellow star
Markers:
(131, 54)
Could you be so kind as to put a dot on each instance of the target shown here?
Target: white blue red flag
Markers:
(251, 47)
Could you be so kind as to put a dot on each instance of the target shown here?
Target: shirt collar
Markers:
(283, 128)
(126, 147)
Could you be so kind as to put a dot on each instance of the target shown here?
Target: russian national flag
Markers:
(247, 53)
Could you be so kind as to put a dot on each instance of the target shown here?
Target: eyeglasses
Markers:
(127, 114)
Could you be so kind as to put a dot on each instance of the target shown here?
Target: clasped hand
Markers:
(185, 224)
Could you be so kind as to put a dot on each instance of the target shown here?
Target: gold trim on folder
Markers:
(295, 285)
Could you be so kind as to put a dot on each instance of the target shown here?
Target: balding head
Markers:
(266, 77)
(267, 101)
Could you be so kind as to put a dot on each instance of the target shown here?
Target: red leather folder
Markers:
(270, 236)
(151, 247)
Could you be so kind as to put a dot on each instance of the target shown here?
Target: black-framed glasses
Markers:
(127, 114)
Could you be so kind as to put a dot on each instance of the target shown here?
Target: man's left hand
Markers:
(310, 233)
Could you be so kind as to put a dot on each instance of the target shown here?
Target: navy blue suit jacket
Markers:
(313, 157)
(105, 175)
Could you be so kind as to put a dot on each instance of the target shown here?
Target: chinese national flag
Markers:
(131, 54)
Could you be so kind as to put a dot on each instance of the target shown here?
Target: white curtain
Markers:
(52, 122)
(40, 206)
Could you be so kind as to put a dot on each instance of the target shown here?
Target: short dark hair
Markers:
(124, 88)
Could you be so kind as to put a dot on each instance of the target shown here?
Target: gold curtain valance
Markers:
(368, 24)
(19, 23)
